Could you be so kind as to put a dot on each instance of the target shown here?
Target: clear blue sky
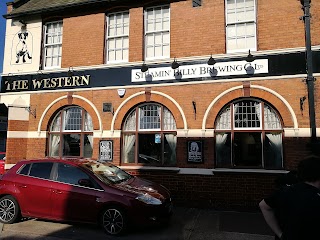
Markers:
(3, 10)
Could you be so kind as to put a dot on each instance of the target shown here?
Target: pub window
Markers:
(248, 134)
(71, 133)
(240, 25)
(149, 136)
(117, 37)
(157, 32)
(52, 47)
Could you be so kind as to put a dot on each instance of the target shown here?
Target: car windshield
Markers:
(109, 172)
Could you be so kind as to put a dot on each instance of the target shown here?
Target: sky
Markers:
(3, 10)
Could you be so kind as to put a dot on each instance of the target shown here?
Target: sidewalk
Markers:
(186, 224)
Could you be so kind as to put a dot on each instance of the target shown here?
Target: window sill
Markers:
(150, 168)
(200, 171)
(245, 170)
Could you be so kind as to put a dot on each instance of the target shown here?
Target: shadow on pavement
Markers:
(186, 224)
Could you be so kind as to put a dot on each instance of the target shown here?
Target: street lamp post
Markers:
(310, 79)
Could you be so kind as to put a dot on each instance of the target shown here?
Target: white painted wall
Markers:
(13, 44)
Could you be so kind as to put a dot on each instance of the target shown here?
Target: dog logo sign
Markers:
(22, 52)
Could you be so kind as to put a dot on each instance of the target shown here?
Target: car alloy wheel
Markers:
(9, 210)
(113, 221)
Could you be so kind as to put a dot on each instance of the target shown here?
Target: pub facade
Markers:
(208, 98)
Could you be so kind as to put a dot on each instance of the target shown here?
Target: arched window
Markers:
(149, 136)
(248, 134)
(71, 134)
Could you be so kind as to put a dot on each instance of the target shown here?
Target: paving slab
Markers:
(186, 224)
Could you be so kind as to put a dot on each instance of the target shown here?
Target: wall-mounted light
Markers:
(32, 111)
(194, 104)
(211, 61)
(19, 23)
(39, 75)
(70, 72)
(302, 99)
(250, 57)
(175, 64)
(144, 67)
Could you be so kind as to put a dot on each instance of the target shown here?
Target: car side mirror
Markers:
(85, 183)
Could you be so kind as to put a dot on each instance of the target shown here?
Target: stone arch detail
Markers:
(144, 97)
(279, 103)
(69, 100)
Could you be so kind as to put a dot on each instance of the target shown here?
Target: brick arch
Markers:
(68, 101)
(145, 97)
(280, 104)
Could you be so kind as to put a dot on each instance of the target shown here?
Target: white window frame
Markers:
(150, 33)
(230, 23)
(116, 36)
(50, 45)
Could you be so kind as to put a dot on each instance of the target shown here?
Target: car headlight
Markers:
(148, 199)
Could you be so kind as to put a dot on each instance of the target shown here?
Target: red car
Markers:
(81, 190)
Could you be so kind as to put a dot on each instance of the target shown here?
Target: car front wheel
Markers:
(9, 210)
(113, 221)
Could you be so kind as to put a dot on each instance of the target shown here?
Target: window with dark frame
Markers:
(71, 133)
(248, 134)
(149, 136)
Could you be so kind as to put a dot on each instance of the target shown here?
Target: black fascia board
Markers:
(54, 9)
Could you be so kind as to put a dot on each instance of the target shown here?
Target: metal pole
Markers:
(310, 79)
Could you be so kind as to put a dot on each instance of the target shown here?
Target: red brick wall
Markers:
(83, 40)
(234, 191)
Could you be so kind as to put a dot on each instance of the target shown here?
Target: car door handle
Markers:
(23, 186)
(57, 191)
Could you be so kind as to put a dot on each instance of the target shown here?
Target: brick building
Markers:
(207, 97)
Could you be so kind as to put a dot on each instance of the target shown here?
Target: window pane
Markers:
(56, 125)
(170, 144)
(88, 146)
(41, 170)
(54, 145)
(129, 141)
(247, 114)
(271, 119)
(73, 119)
(168, 120)
(150, 52)
(88, 122)
(149, 116)
(224, 119)
(223, 149)
(70, 174)
(149, 149)
(25, 169)
(247, 149)
(273, 150)
(71, 145)
(150, 40)
(130, 123)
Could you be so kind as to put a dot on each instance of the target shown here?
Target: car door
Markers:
(70, 200)
(34, 189)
